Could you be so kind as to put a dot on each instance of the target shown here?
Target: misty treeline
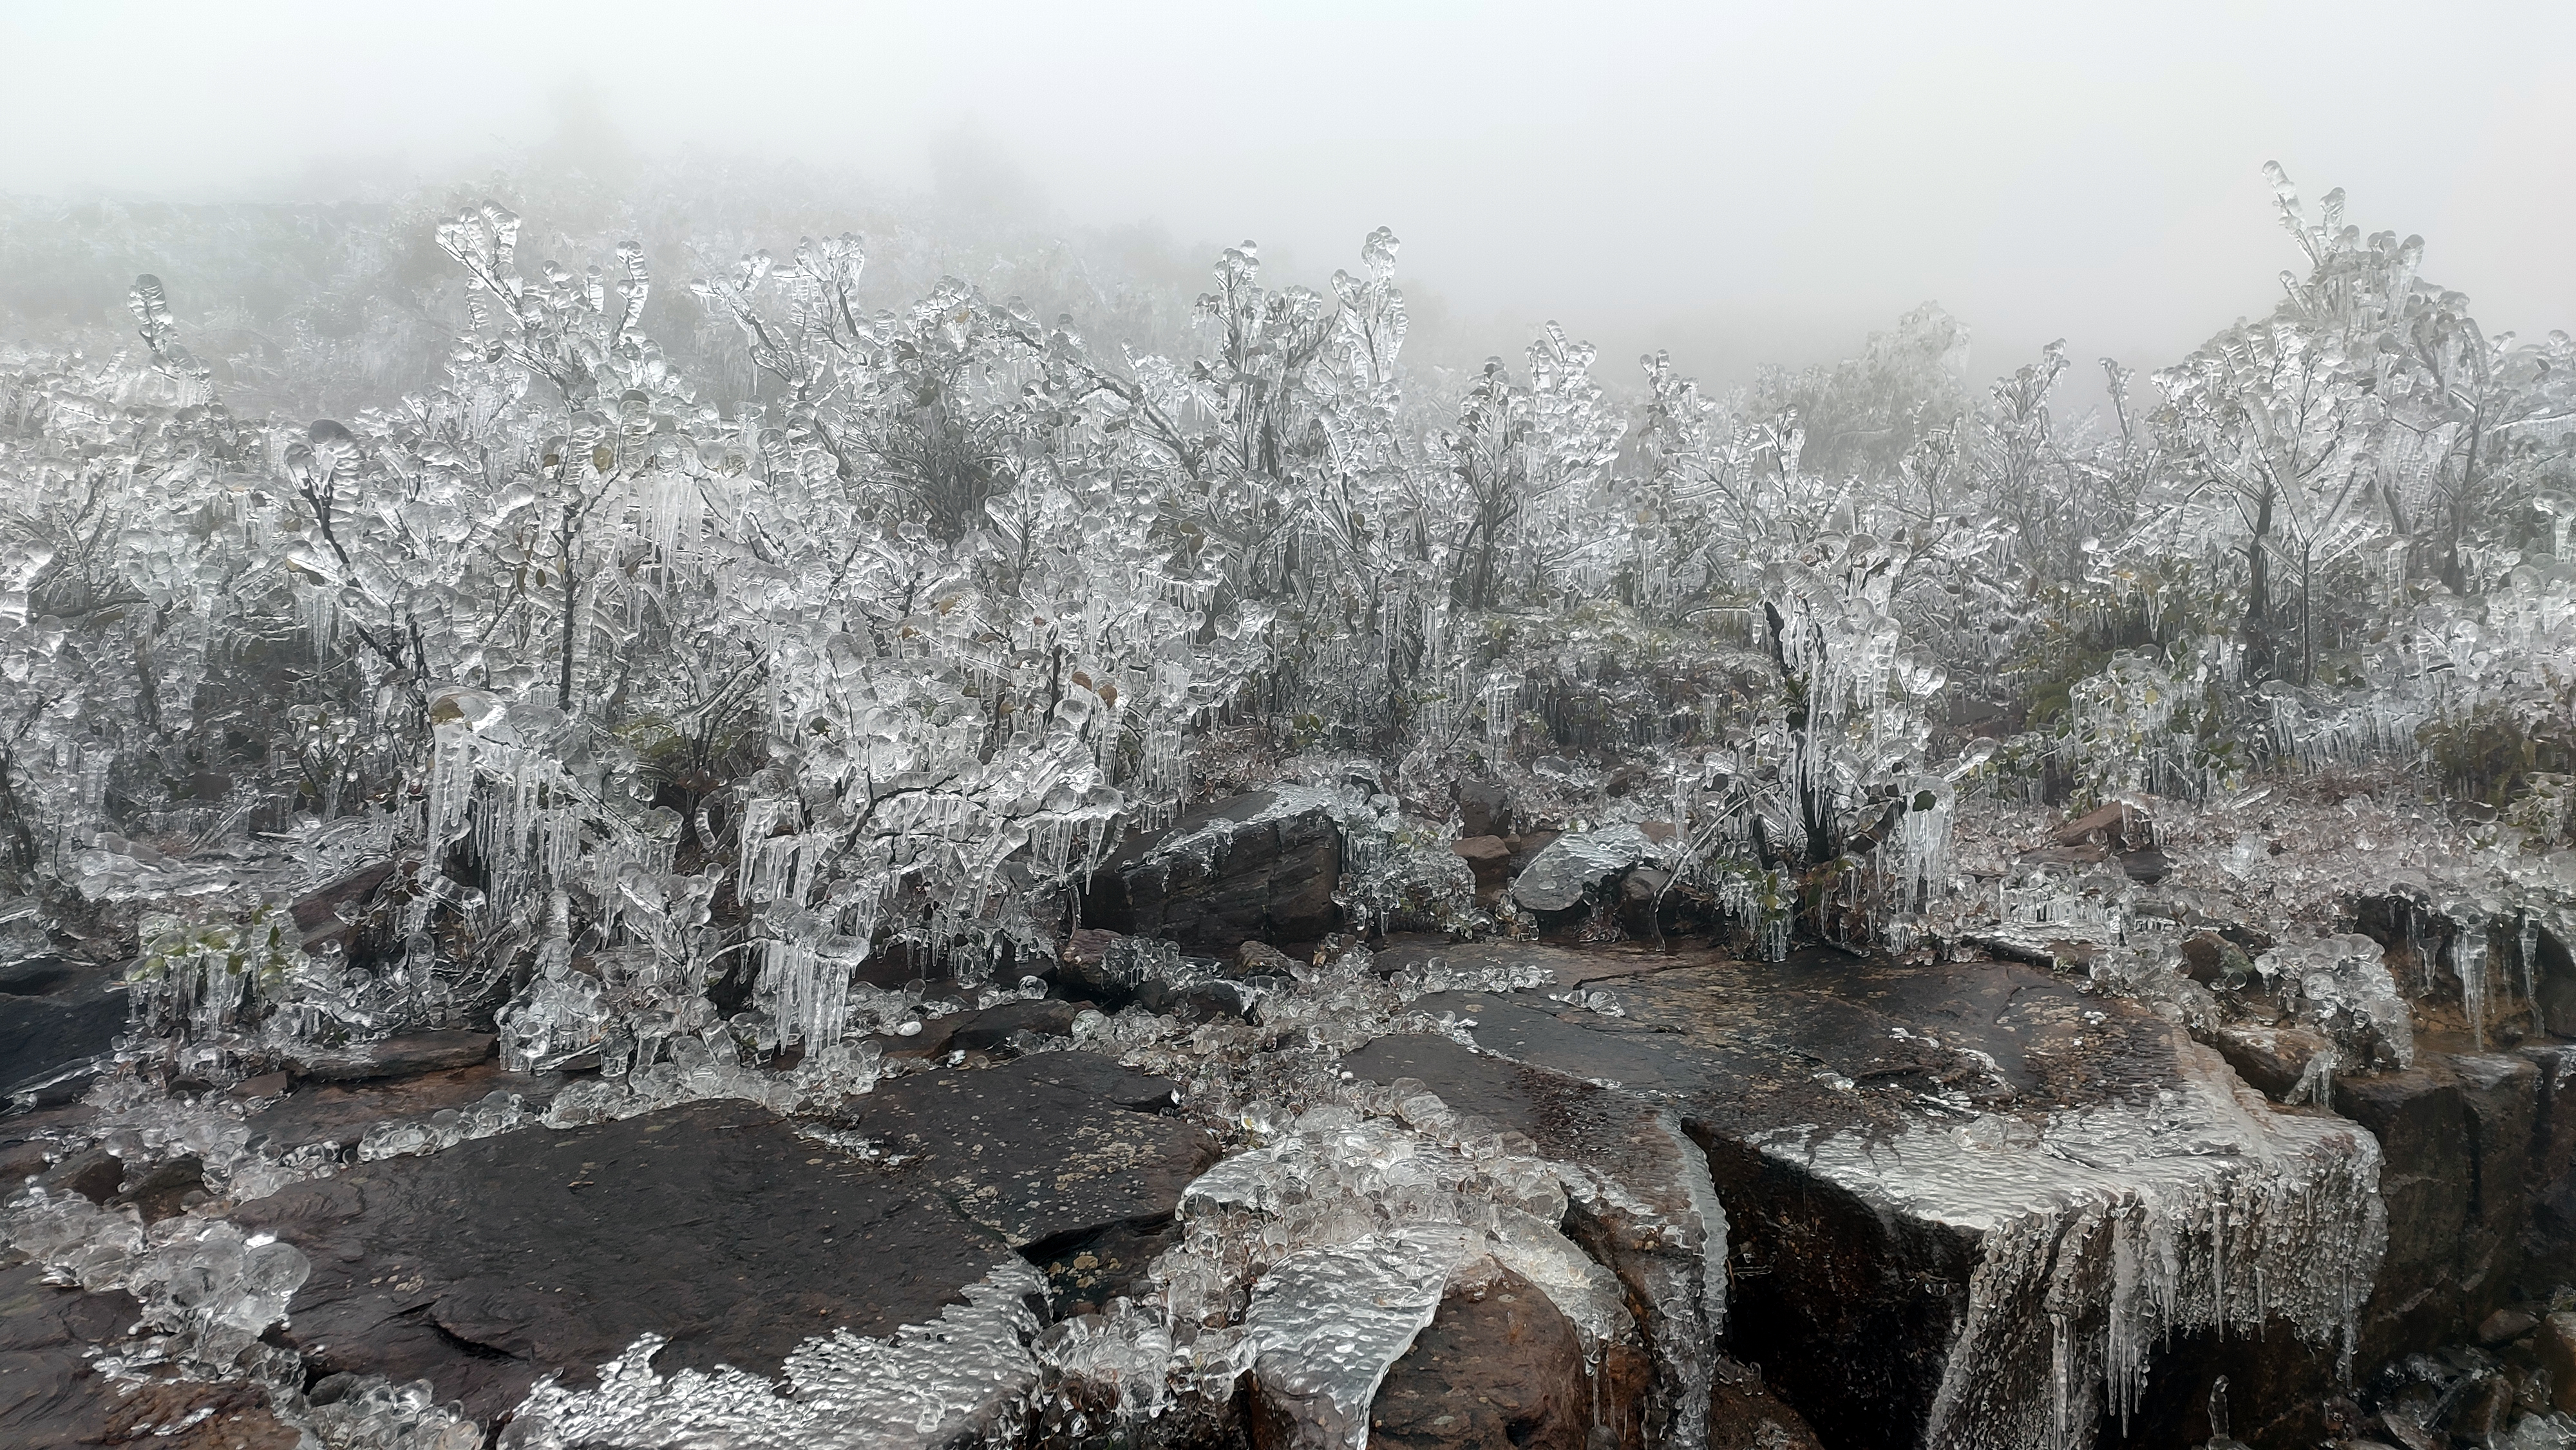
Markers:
(807, 629)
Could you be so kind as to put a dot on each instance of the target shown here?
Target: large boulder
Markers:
(1572, 869)
(1263, 866)
(1498, 1366)
(2009, 1189)
(1640, 1204)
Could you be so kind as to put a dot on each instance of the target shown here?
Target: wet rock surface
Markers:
(1040, 1150)
(49, 1394)
(1254, 866)
(1772, 1162)
(486, 1266)
(494, 1262)
(1643, 1219)
(1855, 1114)
(1498, 1367)
(54, 1013)
(339, 1114)
(405, 1054)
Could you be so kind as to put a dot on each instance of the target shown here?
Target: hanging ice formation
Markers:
(2202, 1211)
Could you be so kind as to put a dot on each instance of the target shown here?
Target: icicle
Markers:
(2469, 962)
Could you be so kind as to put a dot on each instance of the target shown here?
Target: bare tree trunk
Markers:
(572, 594)
(2258, 594)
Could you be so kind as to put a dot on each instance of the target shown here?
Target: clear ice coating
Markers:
(2130, 1223)
(962, 1378)
(527, 655)
(208, 1291)
(1326, 1323)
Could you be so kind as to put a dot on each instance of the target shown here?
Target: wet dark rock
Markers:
(2270, 1059)
(405, 1054)
(1261, 959)
(1484, 808)
(2557, 1345)
(2083, 854)
(187, 1414)
(1237, 869)
(2506, 1325)
(1200, 1001)
(2455, 1136)
(1827, 1043)
(1488, 858)
(56, 1012)
(266, 1085)
(49, 1393)
(2207, 958)
(317, 915)
(339, 1114)
(984, 1031)
(2555, 1001)
(2146, 866)
(1744, 1415)
(1572, 868)
(95, 1174)
(1528, 846)
(1498, 1367)
(163, 1188)
(2549, 1240)
(994, 1026)
(502, 1259)
(1084, 1271)
(1644, 910)
(2118, 827)
(22, 1160)
(1039, 1149)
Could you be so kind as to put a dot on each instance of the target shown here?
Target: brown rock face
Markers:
(1744, 1415)
(1643, 1225)
(2119, 827)
(1489, 858)
(2558, 1354)
(1498, 1368)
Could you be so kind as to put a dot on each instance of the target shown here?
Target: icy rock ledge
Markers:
(2113, 1228)
(966, 1376)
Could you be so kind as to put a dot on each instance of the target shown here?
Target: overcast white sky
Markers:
(1741, 181)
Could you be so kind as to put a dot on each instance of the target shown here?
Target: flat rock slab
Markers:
(54, 1012)
(1042, 1150)
(53, 1398)
(405, 1054)
(340, 1113)
(49, 1394)
(485, 1266)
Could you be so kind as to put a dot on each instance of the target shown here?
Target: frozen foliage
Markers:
(649, 673)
